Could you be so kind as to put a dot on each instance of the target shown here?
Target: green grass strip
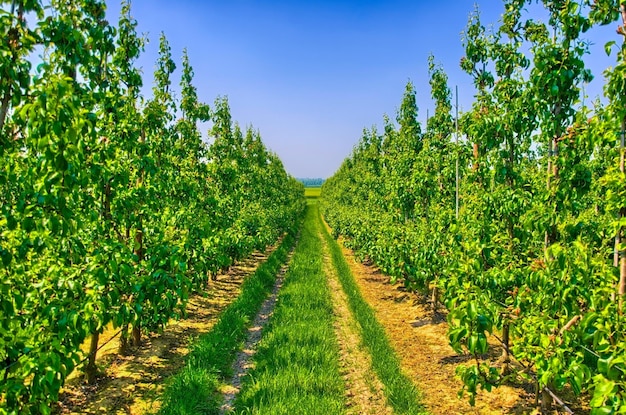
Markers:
(297, 360)
(401, 393)
(194, 389)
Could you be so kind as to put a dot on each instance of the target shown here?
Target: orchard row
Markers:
(516, 223)
(113, 209)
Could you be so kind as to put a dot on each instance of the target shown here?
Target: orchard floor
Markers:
(132, 384)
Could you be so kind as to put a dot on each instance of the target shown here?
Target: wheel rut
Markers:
(243, 362)
(364, 391)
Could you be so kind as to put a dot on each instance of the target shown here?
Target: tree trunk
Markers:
(139, 242)
(555, 149)
(475, 151)
(506, 358)
(536, 394)
(621, 291)
(137, 335)
(91, 370)
(546, 401)
(4, 108)
(616, 250)
(124, 341)
(552, 171)
(620, 251)
(435, 299)
(139, 250)
(13, 41)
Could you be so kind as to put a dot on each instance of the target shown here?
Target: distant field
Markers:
(312, 191)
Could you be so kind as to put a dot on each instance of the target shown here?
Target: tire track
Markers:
(364, 391)
(243, 361)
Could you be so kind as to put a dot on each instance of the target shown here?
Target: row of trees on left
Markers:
(112, 207)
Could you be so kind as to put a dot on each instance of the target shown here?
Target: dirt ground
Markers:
(422, 344)
(132, 384)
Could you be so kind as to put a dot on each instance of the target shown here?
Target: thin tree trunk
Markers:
(616, 250)
(546, 401)
(552, 171)
(475, 151)
(4, 108)
(14, 43)
(620, 251)
(139, 241)
(622, 282)
(91, 370)
(506, 358)
(435, 299)
(139, 250)
(555, 165)
(536, 394)
(137, 335)
(124, 343)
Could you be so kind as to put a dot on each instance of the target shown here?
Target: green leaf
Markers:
(608, 46)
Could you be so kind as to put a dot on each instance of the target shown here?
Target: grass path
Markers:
(402, 394)
(195, 388)
(244, 357)
(296, 366)
(322, 351)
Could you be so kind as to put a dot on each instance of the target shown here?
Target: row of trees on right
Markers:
(517, 223)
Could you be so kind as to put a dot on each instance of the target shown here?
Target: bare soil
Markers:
(132, 384)
(364, 391)
(421, 342)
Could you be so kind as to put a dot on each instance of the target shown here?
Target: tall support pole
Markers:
(456, 142)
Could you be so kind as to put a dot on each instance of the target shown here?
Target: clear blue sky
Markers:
(311, 75)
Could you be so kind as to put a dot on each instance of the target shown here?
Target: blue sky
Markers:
(311, 75)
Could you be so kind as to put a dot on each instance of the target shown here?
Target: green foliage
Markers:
(111, 211)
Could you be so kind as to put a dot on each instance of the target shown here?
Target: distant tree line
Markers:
(309, 182)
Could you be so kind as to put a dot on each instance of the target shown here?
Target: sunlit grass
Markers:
(400, 391)
(297, 366)
(312, 192)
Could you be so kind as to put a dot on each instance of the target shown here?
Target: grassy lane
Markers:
(399, 389)
(296, 364)
(195, 389)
